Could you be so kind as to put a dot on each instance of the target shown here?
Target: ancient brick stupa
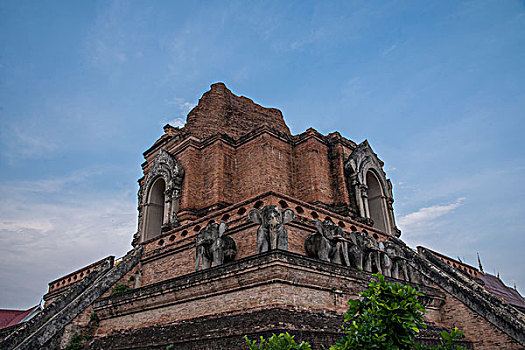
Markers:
(245, 228)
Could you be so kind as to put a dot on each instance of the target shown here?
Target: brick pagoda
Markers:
(245, 228)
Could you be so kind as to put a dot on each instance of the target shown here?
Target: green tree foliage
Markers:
(277, 342)
(388, 316)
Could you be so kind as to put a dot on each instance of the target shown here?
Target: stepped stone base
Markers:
(227, 331)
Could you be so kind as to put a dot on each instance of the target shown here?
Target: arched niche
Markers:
(154, 209)
(377, 209)
(371, 191)
(158, 197)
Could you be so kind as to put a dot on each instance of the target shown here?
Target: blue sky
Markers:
(437, 87)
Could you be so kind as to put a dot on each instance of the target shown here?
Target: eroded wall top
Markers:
(220, 111)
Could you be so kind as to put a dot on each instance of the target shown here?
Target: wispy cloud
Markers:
(182, 108)
(55, 185)
(181, 105)
(54, 228)
(117, 36)
(389, 50)
(176, 122)
(413, 223)
(27, 143)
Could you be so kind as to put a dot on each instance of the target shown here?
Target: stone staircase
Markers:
(502, 315)
(50, 323)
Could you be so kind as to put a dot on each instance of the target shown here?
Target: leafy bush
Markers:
(388, 316)
(119, 288)
(277, 342)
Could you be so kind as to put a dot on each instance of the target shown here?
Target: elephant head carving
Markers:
(213, 247)
(271, 233)
(398, 266)
(328, 243)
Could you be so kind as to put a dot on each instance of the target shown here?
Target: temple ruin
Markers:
(246, 229)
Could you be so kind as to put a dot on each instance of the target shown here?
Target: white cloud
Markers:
(182, 108)
(413, 223)
(177, 122)
(389, 50)
(181, 105)
(27, 143)
(55, 228)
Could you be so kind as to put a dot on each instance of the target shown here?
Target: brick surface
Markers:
(484, 335)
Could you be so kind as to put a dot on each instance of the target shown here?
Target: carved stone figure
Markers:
(355, 251)
(371, 253)
(397, 267)
(328, 243)
(212, 246)
(271, 233)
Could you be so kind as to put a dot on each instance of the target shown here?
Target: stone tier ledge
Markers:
(334, 281)
(226, 331)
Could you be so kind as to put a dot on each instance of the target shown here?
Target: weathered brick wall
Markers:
(276, 280)
(226, 332)
(260, 282)
(312, 180)
(483, 334)
(263, 163)
(339, 146)
(223, 172)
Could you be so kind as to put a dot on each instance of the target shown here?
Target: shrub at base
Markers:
(388, 317)
(277, 342)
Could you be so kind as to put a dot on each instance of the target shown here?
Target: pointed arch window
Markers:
(377, 210)
(371, 191)
(154, 209)
(158, 197)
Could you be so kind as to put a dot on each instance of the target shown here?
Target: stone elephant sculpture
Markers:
(271, 233)
(398, 267)
(355, 251)
(365, 255)
(328, 243)
(213, 247)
